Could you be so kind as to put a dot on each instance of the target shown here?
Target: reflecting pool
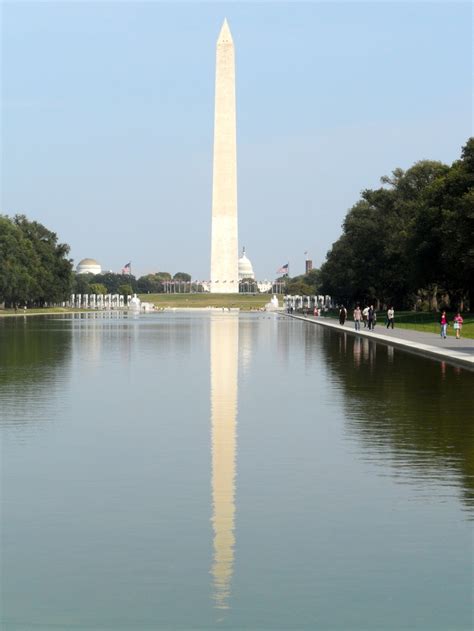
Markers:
(215, 470)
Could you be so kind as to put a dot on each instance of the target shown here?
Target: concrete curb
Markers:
(453, 357)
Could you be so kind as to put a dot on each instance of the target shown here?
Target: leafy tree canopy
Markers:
(34, 267)
(113, 281)
(125, 289)
(411, 236)
(98, 288)
(182, 276)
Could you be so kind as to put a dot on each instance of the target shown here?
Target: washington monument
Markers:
(224, 240)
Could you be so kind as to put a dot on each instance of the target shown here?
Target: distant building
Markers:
(245, 267)
(88, 266)
(308, 266)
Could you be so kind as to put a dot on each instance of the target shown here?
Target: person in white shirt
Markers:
(365, 315)
(390, 317)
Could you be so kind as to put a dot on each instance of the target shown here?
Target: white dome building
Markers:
(88, 266)
(245, 267)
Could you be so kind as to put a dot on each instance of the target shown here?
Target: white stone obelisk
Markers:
(224, 247)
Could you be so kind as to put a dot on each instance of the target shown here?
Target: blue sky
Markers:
(107, 120)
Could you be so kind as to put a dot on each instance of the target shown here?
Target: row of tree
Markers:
(409, 243)
(156, 283)
(35, 270)
(305, 285)
(110, 283)
(34, 267)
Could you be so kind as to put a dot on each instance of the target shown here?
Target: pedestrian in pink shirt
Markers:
(444, 324)
(458, 321)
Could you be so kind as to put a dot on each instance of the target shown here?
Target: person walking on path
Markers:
(390, 317)
(357, 318)
(365, 315)
(342, 314)
(371, 318)
(444, 324)
(458, 322)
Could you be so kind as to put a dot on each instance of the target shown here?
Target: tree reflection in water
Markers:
(35, 356)
(414, 412)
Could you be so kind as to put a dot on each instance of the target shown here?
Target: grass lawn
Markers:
(242, 301)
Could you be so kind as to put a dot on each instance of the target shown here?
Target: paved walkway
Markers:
(429, 344)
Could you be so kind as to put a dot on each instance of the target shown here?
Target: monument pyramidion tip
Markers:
(225, 36)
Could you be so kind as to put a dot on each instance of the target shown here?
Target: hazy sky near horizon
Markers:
(107, 120)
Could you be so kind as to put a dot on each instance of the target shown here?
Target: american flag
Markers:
(126, 269)
(283, 269)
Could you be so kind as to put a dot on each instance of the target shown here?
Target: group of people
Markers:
(368, 316)
(457, 324)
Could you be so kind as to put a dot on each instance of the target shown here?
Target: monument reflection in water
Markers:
(224, 378)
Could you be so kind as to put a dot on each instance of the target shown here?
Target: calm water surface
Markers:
(181, 471)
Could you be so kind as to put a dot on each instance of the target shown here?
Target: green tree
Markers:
(113, 281)
(374, 259)
(17, 261)
(313, 279)
(81, 284)
(338, 279)
(441, 239)
(34, 267)
(150, 284)
(182, 276)
(98, 288)
(298, 286)
(125, 290)
(53, 274)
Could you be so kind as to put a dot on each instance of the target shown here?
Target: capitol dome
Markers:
(88, 266)
(245, 267)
